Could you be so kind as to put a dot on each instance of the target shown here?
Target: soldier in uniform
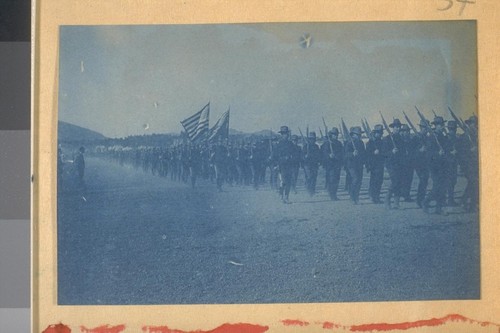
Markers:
(355, 155)
(438, 149)
(408, 166)
(311, 159)
(283, 155)
(80, 167)
(296, 163)
(375, 163)
(332, 152)
(421, 160)
(219, 159)
(394, 151)
(452, 163)
(469, 163)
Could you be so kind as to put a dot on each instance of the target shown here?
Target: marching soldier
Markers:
(311, 159)
(283, 155)
(219, 159)
(394, 151)
(332, 152)
(375, 163)
(355, 155)
(452, 164)
(296, 163)
(421, 161)
(469, 162)
(408, 167)
(438, 148)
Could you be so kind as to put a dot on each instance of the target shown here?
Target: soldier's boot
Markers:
(396, 202)
(425, 205)
(387, 200)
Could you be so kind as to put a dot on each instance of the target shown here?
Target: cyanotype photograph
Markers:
(268, 163)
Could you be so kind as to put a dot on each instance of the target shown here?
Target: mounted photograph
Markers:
(267, 163)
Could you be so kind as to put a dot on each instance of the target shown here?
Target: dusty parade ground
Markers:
(135, 238)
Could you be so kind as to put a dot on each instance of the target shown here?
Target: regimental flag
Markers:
(196, 126)
(221, 128)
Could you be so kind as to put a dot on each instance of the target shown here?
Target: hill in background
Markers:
(72, 133)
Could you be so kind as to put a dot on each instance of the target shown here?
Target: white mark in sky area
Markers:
(82, 68)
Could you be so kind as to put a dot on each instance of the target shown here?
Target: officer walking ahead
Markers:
(355, 159)
(332, 152)
(375, 163)
(283, 155)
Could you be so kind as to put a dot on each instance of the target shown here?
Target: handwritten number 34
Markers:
(451, 2)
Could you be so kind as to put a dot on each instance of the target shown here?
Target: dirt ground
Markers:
(135, 238)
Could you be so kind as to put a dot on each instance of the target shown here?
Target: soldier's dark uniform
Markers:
(421, 161)
(258, 156)
(394, 152)
(219, 159)
(296, 163)
(355, 155)
(80, 167)
(452, 173)
(408, 163)
(284, 156)
(375, 163)
(469, 163)
(332, 152)
(438, 149)
(311, 160)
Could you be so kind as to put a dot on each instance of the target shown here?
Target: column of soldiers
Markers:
(434, 153)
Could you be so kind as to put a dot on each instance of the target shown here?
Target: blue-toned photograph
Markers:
(268, 163)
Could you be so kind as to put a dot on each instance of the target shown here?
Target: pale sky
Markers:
(116, 79)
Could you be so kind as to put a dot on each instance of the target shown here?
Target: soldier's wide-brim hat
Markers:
(356, 130)
(378, 128)
(82, 149)
(471, 120)
(284, 129)
(295, 137)
(312, 135)
(405, 128)
(438, 121)
(334, 131)
(395, 123)
(423, 123)
(452, 124)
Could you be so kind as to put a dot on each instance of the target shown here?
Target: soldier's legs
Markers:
(335, 175)
(314, 177)
(406, 181)
(423, 181)
(355, 185)
(451, 182)
(376, 180)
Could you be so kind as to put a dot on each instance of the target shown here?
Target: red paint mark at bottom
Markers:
(293, 322)
(225, 328)
(57, 328)
(103, 329)
(418, 324)
(330, 326)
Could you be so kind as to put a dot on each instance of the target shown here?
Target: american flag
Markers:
(221, 128)
(196, 126)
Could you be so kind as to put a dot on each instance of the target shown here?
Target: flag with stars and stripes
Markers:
(196, 126)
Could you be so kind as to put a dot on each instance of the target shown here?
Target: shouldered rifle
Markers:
(428, 127)
(368, 125)
(387, 129)
(434, 112)
(328, 136)
(410, 123)
(346, 131)
(304, 140)
(463, 126)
